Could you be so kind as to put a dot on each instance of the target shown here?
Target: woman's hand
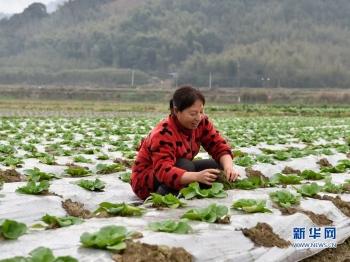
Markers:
(207, 176)
(227, 163)
(231, 173)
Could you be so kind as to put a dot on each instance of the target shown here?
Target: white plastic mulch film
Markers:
(116, 138)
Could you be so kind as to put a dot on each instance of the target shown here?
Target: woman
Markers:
(165, 164)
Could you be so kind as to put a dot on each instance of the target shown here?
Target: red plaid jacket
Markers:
(167, 142)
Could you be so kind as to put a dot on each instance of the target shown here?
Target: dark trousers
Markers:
(190, 166)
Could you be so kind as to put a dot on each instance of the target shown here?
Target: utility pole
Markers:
(238, 74)
(132, 77)
(210, 81)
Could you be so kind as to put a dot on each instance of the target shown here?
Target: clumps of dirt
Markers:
(254, 173)
(263, 235)
(136, 235)
(317, 196)
(346, 187)
(339, 254)
(142, 252)
(75, 165)
(288, 211)
(348, 155)
(49, 150)
(223, 220)
(289, 170)
(341, 204)
(76, 209)
(11, 175)
(124, 162)
(318, 219)
(71, 165)
(323, 162)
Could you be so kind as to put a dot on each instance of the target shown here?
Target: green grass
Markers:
(211, 108)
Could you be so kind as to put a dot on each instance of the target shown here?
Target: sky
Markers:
(17, 6)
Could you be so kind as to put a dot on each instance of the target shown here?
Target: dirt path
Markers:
(339, 254)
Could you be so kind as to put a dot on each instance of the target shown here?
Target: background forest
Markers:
(238, 43)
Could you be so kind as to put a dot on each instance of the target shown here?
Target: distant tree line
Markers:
(235, 42)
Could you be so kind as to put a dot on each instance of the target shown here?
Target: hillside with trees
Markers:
(270, 43)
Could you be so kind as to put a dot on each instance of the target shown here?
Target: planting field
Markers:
(65, 187)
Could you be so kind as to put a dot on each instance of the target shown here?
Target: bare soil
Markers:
(142, 252)
(76, 209)
(288, 211)
(318, 219)
(254, 173)
(346, 187)
(223, 220)
(11, 175)
(75, 165)
(323, 162)
(289, 170)
(263, 235)
(339, 254)
(341, 204)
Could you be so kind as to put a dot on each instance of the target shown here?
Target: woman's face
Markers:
(191, 116)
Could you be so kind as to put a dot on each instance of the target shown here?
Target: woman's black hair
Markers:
(185, 97)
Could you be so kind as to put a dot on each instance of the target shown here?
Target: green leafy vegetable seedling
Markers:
(125, 177)
(91, 185)
(312, 175)
(171, 226)
(36, 175)
(211, 214)
(286, 179)
(41, 254)
(193, 190)
(309, 190)
(118, 209)
(108, 169)
(77, 171)
(11, 229)
(251, 206)
(284, 198)
(168, 200)
(55, 222)
(34, 188)
(109, 237)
